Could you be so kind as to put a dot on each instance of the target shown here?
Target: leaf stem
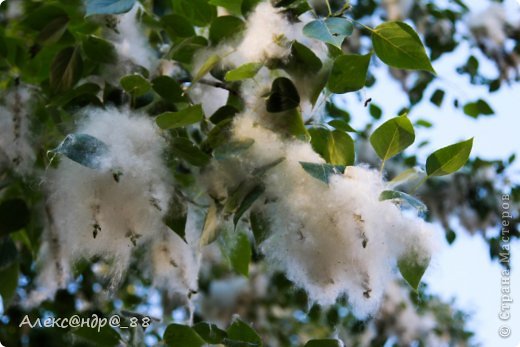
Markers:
(421, 182)
(328, 7)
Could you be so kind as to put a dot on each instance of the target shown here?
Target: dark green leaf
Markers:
(106, 336)
(8, 253)
(342, 125)
(449, 159)
(284, 96)
(224, 27)
(375, 111)
(243, 72)
(14, 215)
(99, 50)
(332, 30)
(438, 97)
(412, 269)
(108, 6)
(53, 31)
(168, 88)
(240, 331)
(185, 149)
(135, 84)
(259, 225)
(322, 171)
(66, 69)
(172, 120)
(248, 201)
(349, 73)
(324, 343)
(177, 26)
(177, 335)
(233, 6)
(398, 45)
(223, 113)
(83, 149)
(392, 137)
(478, 108)
(303, 60)
(9, 283)
(210, 332)
(199, 12)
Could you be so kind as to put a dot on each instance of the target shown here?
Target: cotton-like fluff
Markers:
(176, 262)
(398, 9)
(110, 211)
(130, 41)
(15, 138)
(332, 240)
(489, 26)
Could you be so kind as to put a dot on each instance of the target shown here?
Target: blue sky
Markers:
(463, 271)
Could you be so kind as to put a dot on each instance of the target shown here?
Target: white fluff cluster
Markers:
(489, 26)
(131, 43)
(398, 9)
(16, 150)
(331, 240)
(111, 211)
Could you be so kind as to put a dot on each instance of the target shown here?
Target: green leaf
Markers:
(448, 159)
(108, 6)
(303, 60)
(135, 85)
(322, 171)
(398, 45)
(185, 149)
(8, 253)
(341, 125)
(332, 30)
(478, 108)
(242, 332)
(212, 228)
(225, 27)
(177, 335)
(9, 283)
(183, 51)
(177, 26)
(168, 88)
(243, 72)
(66, 69)
(53, 31)
(260, 171)
(438, 97)
(259, 225)
(199, 12)
(324, 343)
(172, 120)
(14, 215)
(232, 149)
(375, 111)
(83, 149)
(412, 269)
(392, 137)
(289, 123)
(336, 147)
(248, 201)
(284, 96)
(210, 332)
(403, 197)
(208, 65)
(223, 113)
(238, 250)
(233, 6)
(349, 73)
(106, 336)
(99, 50)
(404, 177)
